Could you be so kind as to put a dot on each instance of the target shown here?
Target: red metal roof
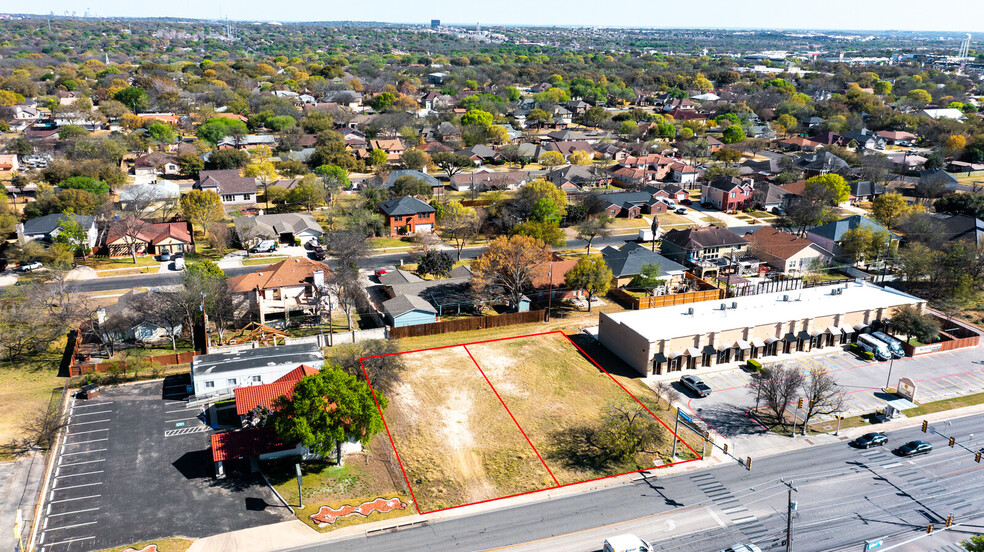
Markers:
(298, 373)
(248, 398)
(244, 443)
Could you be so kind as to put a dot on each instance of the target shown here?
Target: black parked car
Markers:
(913, 448)
(869, 440)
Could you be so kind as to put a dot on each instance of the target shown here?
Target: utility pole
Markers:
(790, 505)
(550, 293)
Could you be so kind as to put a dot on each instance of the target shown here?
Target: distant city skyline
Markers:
(848, 15)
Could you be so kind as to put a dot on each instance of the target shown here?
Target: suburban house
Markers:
(626, 262)
(407, 215)
(898, 137)
(798, 143)
(150, 238)
(938, 178)
(287, 228)
(863, 138)
(436, 185)
(707, 250)
(123, 322)
(786, 252)
(156, 163)
(567, 148)
(414, 300)
(46, 228)
(575, 178)
(219, 374)
(479, 154)
(865, 190)
(549, 279)
(727, 193)
(963, 228)
(634, 204)
(829, 236)
(821, 162)
(279, 289)
(232, 188)
(9, 163)
(487, 179)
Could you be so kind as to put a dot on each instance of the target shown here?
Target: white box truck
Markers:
(626, 543)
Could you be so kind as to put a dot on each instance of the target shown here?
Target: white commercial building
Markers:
(220, 373)
(699, 335)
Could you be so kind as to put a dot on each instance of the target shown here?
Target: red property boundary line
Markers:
(558, 486)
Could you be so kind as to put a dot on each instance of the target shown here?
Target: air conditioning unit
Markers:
(724, 306)
(690, 311)
(734, 304)
(785, 298)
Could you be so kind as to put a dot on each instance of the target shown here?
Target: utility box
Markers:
(90, 391)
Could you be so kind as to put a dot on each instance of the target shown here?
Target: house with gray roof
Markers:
(830, 236)
(822, 162)
(45, 229)
(285, 228)
(392, 177)
(408, 310)
(232, 188)
(627, 261)
(407, 215)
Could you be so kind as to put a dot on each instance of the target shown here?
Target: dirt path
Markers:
(458, 432)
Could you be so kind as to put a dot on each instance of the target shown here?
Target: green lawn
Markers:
(104, 263)
(253, 261)
(627, 223)
(945, 404)
(30, 384)
(380, 243)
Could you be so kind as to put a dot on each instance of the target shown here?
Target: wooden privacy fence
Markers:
(169, 359)
(465, 324)
(636, 303)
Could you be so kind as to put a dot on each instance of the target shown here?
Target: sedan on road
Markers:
(913, 448)
(28, 267)
(695, 385)
(869, 440)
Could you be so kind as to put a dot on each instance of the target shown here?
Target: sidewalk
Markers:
(20, 481)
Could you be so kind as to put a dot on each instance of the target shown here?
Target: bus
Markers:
(894, 345)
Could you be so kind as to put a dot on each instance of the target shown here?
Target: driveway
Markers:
(136, 466)
(937, 376)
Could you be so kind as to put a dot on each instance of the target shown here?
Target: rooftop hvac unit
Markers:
(785, 298)
(690, 311)
(734, 304)
(724, 306)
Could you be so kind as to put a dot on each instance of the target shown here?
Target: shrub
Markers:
(868, 355)
(754, 364)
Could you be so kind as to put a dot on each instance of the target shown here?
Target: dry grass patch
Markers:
(174, 544)
(29, 386)
(456, 442)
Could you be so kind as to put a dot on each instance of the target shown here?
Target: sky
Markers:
(965, 16)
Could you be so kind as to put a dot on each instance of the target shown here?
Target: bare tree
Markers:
(129, 228)
(594, 227)
(823, 395)
(670, 395)
(166, 309)
(777, 387)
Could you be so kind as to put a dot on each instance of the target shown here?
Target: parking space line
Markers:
(92, 413)
(182, 420)
(976, 377)
(76, 539)
(70, 527)
(82, 452)
(79, 474)
(74, 512)
(92, 422)
(968, 384)
(84, 432)
(90, 405)
(85, 462)
(53, 488)
(89, 441)
(74, 499)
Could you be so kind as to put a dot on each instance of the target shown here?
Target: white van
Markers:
(743, 548)
(872, 345)
(626, 543)
(894, 345)
(265, 246)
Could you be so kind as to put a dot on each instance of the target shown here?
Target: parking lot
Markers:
(938, 376)
(135, 466)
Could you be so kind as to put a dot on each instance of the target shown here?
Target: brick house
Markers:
(727, 193)
(407, 215)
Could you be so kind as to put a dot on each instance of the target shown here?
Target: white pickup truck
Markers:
(626, 543)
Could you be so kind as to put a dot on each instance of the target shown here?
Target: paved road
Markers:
(845, 496)
(374, 262)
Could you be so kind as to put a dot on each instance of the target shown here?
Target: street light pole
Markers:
(789, 515)
(550, 293)
(888, 380)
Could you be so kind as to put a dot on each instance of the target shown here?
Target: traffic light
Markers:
(925, 426)
(929, 529)
(800, 403)
(949, 520)
(952, 440)
(977, 458)
(748, 463)
(726, 448)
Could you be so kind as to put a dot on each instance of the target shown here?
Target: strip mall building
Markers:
(700, 335)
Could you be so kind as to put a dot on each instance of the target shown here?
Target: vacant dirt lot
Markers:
(550, 387)
(457, 444)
